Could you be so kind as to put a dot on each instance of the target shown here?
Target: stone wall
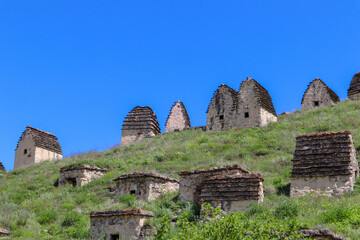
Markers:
(191, 181)
(145, 186)
(79, 175)
(220, 112)
(320, 234)
(126, 224)
(354, 90)
(324, 163)
(317, 95)
(178, 118)
(4, 233)
(2, 168)
(131, 136)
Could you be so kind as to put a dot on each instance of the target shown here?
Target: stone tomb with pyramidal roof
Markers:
(119, 224)
(145, 186)
(80, 175)
(178, 118)
(36, 146)
(233, 193)
(140, 123)
(324, 164)
(317, 95)
(2, 168)
(191, 181)
(354, 90)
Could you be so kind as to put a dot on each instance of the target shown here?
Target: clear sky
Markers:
(76, 68)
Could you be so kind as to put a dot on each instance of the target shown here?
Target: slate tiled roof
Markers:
(144, 175)
(354, 85)
(141, 118)
(228, 89)
(262, 94)
(43, 140)
(323, 154)
(215, 169)
(83, 167)
(334, 97)
(232, 187)
(121, 212)
(2, 168)
(184, 113)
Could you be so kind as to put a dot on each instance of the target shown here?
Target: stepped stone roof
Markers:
(232, 187)
(183, 111)
(4, 231)
(141, 118)
(2, 168)
(144, 175)
(262, 94)
(321, 233)
(215, 169)
(323, 154)
(121, 212)
(43, 140)
(228, 89)
(354, 85)
(83, 167)
(334, 97)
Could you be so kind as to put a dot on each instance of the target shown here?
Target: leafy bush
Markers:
(127, 199)
(46, 217)
(71, 219)
(286, 209)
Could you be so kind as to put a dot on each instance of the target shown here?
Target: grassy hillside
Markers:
(33, 207)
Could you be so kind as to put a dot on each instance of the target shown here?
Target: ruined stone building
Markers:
(2, 168)
(178, 118)
(191, 181)
(233, 193)
(140, 123)
(119, 224)
(36, 146)
(354, 90)
(320, 234)
(220, 113)
(254, 106)
(4, 233)
(317, 95)
(324, 164)
(79, 175)
(145, 186)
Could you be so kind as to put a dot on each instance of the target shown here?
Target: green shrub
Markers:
(71, 219)
(286, 209)
(47, 217)
(127, 199)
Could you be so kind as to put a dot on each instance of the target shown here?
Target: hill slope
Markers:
(33, 207)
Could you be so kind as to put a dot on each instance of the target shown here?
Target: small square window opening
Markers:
(316, 103)
(221, 117)
(25, 151)
(247, 115)
(132, 191)
(114, 236)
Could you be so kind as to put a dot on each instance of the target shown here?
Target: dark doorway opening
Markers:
(71, 181)
(316, 103)
(133, 192)
(114, 236)
(221, 117)
(247, 115)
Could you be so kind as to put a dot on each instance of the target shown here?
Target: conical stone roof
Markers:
(142, 118)
(354, 85)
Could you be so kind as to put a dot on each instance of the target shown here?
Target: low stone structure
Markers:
(196, 128)
(140, 123)
(220, 113)
(317, 95)
(178, 118)
(254, 106)
(4, 233)
(79, 175)
(191, 181)
(321, 234)
(324, 164)
(354, 90)
(36, 146)
(233, 193)
(118, 224)
(2, 168)
(145, 186)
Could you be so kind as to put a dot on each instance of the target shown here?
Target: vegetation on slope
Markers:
(32, 206)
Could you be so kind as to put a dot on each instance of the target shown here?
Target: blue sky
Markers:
(76, 68)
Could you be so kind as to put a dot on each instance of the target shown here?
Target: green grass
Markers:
(33, 207)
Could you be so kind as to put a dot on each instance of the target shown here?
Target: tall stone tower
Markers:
(354, 90)
(140, 123)
(36, 146)
(178, 118)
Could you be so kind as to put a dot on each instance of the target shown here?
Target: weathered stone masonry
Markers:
(191, 181)
(2, 168)
(317, 95)
(79, 175)
(140, 123)
(324, 164)
(145, 186)
(36, 146)
(233, 193)
(354, 90)
(118, 224)
(320, 234)
(178, 118)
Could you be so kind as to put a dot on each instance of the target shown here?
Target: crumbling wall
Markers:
(178, 118)
(354, 90)
(79, 175)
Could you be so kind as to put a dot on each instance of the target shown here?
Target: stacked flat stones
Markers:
(354, 90)
(333, 96)
(232, 188)
(2, 168)
(225, 88)
(323, 154)
(142, 118)
(177, 119)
